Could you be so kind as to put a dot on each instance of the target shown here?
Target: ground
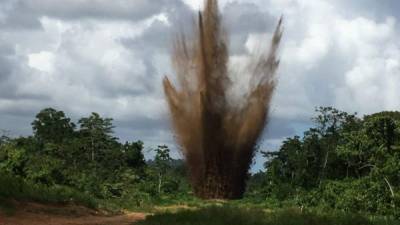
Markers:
(38, 214)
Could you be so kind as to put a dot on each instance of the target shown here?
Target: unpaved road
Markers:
(37, 214)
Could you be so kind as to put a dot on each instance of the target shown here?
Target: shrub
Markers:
(13, 187)
(221, 215)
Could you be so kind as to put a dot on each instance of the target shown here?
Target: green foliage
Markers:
(96, 139)
(60, 158)
(221, 215)
(162, 164)
(134, 155)
(343, 163)
(53, 126)
(19, 189)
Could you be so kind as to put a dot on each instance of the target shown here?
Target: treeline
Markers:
(88, 158)
(344, 162)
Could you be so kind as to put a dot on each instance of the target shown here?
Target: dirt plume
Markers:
(218, 138)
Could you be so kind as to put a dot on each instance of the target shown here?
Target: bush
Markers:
(353, 195)
(221, 215)
(13, 187)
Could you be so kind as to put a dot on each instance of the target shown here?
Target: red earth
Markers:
(39, 214)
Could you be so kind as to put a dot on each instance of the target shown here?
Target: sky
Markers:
(83, 56)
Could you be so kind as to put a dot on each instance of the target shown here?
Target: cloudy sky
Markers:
(84, 56)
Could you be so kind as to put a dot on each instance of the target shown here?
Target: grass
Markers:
(15, 188)
(178, 210)
(222, 215)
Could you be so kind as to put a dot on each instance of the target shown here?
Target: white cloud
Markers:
(42, 61)
(329, 58)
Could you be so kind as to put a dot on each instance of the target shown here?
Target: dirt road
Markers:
(37, 214)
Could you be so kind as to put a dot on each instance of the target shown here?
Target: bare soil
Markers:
(39, 214)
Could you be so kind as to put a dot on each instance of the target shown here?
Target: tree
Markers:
(96, 133)
(329, 123)
(162, 162)
(308, 161)
(13, 158)
(4, 139)
(53, 126)
(134, 157)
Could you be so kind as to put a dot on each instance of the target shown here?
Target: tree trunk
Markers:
(159, 183)
(92, 149)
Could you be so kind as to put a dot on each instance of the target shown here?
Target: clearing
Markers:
(40, 214)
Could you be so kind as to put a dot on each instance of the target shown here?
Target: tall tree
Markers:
(52, 126)
(162, 162)
(134, 155)
(329, 123)
(96, 133)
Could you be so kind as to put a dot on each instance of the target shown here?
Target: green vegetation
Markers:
(63, 162)
(16, 188)
(344, 164)
(221, 215)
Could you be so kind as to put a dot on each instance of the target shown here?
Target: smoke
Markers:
(218, 138)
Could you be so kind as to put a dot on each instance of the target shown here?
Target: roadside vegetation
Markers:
(221, 215)
(345, 164)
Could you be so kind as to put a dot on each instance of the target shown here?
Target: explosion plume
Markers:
(218, 139)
